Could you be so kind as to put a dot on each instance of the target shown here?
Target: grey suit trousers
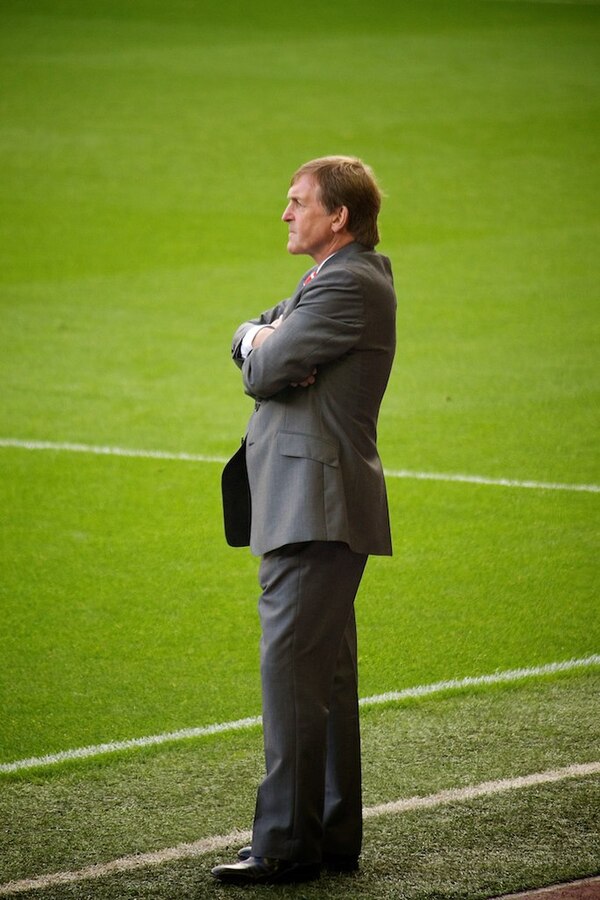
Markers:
(310, 801)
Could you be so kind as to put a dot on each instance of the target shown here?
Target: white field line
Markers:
(494, 482)
(67, 447)
(51, 759)
(473, 792)
(235, 838)
(422, 690)
(200, 458)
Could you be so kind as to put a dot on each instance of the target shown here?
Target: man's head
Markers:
(332, 201)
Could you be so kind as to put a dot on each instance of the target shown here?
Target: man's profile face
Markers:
(308, 221)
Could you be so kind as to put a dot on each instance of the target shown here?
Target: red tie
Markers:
(309, 277)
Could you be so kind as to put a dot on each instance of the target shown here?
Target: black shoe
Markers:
(334, 862)
(263, 870)
(340, 862)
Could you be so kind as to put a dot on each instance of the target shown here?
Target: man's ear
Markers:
(340, 220)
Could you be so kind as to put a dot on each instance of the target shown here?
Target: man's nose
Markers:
(287, 213)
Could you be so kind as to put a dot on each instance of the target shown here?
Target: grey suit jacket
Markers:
(313, 468)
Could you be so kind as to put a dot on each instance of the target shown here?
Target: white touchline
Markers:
(493, 482)
(235, 838)
(422, 690)
(107, 451)
(50, 759)
(482, 790)
(19, 444)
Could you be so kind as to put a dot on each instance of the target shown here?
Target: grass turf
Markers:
(126, 626)
(146, 150)
(76, 815)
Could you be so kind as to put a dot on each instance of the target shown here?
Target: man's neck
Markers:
(335, 245)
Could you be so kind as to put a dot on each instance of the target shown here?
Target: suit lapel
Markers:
(348, 250)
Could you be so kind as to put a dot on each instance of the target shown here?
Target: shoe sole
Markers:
(290, 876)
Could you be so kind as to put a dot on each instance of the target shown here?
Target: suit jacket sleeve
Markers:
(326, 323)
(264, 319)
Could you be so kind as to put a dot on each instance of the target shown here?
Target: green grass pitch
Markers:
(146, 150)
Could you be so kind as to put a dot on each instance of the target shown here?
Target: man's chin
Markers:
(293, 246)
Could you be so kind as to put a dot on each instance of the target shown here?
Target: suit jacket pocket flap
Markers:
(307, 446)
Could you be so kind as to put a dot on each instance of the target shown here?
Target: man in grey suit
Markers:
(307, 492)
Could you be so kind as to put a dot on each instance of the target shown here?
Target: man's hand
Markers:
(310, 379)
(265, 333)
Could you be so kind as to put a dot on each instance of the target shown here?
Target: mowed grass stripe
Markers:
(250, 722)
(221, 842)
(17, 443)
(80, 816)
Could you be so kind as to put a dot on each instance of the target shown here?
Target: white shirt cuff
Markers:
(246, 345)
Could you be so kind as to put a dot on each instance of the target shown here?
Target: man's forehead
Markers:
(306, 187)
